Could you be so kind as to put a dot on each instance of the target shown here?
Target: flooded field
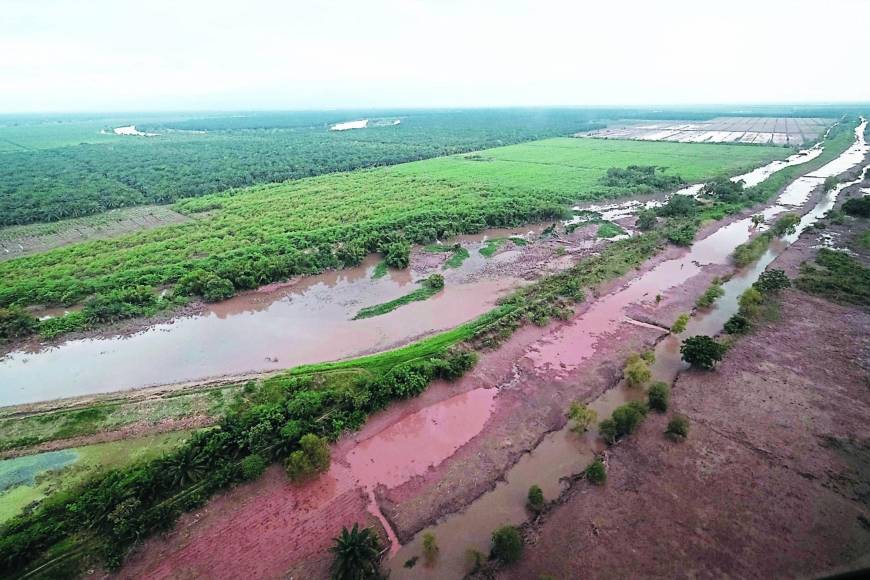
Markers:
(757, 130)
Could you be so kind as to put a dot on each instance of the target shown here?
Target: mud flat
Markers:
(770, 483)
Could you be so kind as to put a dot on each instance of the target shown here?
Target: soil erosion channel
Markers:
(401, 454)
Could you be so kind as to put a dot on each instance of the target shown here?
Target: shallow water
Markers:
(25, 470)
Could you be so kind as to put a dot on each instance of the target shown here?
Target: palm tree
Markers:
(186, 466)
(357, 555)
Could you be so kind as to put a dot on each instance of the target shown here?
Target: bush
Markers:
(507, 545)
(702, 351)
(787, 224)
(713, 293)
(858, 207)
(658, 396)
(757, 220)
(434, 281)
(582, 416)
(681, 234)
(831, 182)
(16, 323)
(397, 254)
(680, 324)
(636, 371)
(624, 421)
(217, 289)
(678, 206)
(311, 459)
(678, 428)
(750, 301)
(430, 549)
(536, 499)
(771, 281)
(646, 219)
(596, 472)
(253, 466)
(737, 324)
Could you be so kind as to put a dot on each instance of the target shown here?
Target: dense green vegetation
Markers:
(507, 545)
(702, 351)
(641, 175)
(836, 276)
(710, 295)
(595, 472)
(195, 157)
(623, 421)
(268, 233)
(858, 206)
(748, 252)
(356, 554)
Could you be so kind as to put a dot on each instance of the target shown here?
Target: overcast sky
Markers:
(108, 55)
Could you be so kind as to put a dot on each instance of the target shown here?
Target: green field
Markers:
(268, 233)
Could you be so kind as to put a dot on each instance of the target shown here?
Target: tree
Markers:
(702, 351)
(434, 281)
(658, 395)
(623, 421)
(397, 254)
(310, 459)
(750, 301)
(787, 224)
(757, 220)
(737, 324)
(858, 207)
(507, 545)
(582, 416)
(680, 324)
(185, 466)
(253, 466)
(678, 206)
(772, 281)
(646, 219)
(596, 472)
(356, 555)
(636, 371)
(535, 499)
(678, 428)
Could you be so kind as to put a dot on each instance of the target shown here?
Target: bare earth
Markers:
(772, 481)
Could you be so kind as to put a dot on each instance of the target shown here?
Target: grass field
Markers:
(267, 233)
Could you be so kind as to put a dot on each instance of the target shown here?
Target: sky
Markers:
(123, 55)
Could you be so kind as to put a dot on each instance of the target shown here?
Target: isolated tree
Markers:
(646, 219)
(678, 428)
(535, 499)
(702, 351)
(623, 421)
(636, 371)
(430, 549)
(787, 224)
(757, 219)
(356, 555)
(595, 472)
(311, 458)
(582, 416)
(507, 545)
(772, 281)
(658, 396)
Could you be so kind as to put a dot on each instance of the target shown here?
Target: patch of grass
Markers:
(459, 256)
(710, 295)
(491, 247)
(429, 289)
(836, 276)
(518, 241)
(380, 270)
(609, 230)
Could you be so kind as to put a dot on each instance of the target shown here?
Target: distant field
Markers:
(269, 233)
(791, 131)
(17, 241)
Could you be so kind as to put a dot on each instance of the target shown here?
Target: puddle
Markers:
(25, 470)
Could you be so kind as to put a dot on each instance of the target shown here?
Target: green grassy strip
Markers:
(836, 276)
(609, 230)
(491, 247)
(459, 256)
(380, 270)
(379, 309)
(519, 241)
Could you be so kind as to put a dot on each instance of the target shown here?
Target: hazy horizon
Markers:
(57, 56)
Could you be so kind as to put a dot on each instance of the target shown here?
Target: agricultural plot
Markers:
(17, 241)
(789, 131)
(267, 233)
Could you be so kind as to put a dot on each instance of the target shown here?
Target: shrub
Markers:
(397, 254)
(636, 371)
(253, 466)
(624, 421)
(596, 472)
(757, 219)
(787, 224)
(430, 549)
(473, 560)
(678, 206)
(680, 324)
(858, 207)
(772, 281)
(16, 323)
(312, 458)
(658, 396)
(678, 428)
(217, 289)
(582, 416)
(535, 500)
(750, 301)
(723, 189)
(737, 324)
(649, 356)
(681, 234)
(831, 182)
(713, 293)
(507, 545)
(646, 219)
(434, 281)
(702, 351)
